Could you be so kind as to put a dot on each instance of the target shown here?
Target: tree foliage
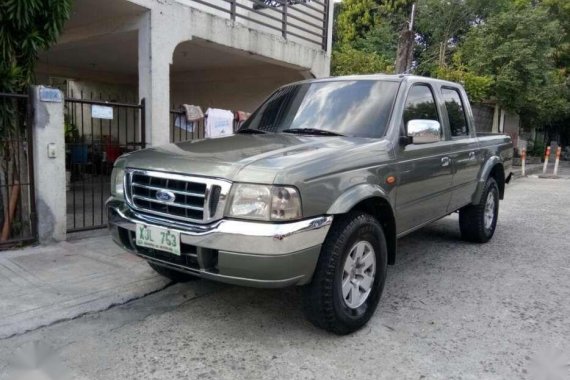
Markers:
(358, 17)
(514, 52)
(348, 60)
(517, 48)
(26, 28)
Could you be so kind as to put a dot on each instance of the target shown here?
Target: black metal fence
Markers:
(303, 19)
(182, 130)
(17, 198)
(96, 134)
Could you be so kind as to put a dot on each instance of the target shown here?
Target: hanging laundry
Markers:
(219, 123)
(241, 116)
(182, 122)
(187, 121)
(193, 113)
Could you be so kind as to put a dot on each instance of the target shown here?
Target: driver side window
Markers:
(420, 105)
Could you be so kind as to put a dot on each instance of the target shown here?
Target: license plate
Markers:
(159, 238)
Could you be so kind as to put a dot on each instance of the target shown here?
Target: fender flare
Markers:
(484, 174)
(354, 195)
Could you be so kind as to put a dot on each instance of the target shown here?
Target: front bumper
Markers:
(233, 251)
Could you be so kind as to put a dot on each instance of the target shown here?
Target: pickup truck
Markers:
(314, 190)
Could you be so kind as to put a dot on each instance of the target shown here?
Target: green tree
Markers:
(348, 60)
(516, 48)
(357, 17)
(441, 26)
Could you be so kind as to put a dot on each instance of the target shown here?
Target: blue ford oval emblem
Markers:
(165, 196)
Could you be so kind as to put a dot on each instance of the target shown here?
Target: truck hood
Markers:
(252, 158)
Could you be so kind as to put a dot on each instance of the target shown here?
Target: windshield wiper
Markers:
(252, 131)
(311, 131)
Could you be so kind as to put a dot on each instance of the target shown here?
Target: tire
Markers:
(171, 274)
(324, 301)
(474, 220)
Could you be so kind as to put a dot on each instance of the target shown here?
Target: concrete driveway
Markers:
(451, 310)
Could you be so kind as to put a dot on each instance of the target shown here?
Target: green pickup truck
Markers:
(314, 190)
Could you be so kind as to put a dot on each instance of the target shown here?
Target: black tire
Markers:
(323, 302)
(472, 217)
(171, 274)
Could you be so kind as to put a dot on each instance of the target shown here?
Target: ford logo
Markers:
(165, 196)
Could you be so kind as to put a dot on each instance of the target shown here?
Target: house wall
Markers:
(241, 89)
(511, 127)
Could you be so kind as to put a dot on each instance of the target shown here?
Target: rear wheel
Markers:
(478, 222)
(350, 275)
(171, 274)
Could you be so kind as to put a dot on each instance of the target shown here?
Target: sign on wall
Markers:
(101, 112)
(52, 95)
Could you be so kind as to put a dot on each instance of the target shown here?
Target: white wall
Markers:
(242, 89)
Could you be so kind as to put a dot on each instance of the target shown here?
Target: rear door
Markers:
(424, 170)
(465, 152)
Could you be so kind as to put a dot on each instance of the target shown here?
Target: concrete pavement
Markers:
(42, 285)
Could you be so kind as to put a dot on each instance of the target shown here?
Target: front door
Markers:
(424, 169)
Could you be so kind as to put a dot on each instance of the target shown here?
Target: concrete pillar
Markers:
(158, 37)
(48, 138)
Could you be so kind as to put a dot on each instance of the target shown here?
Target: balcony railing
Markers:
(299, 20)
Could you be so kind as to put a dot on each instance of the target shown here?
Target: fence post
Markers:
(523, 162)
(326, 25)
(284, 19)
(49, 163)
(546, 157)
(558, 150)
(233, 9)
(143, 123)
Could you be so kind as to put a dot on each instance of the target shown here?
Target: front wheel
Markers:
(478, 222)
(350, 275)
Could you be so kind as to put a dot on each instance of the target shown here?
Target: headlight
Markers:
(117, 179)
(265, 202)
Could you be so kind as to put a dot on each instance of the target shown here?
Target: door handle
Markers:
(445, 161)
(471, 155)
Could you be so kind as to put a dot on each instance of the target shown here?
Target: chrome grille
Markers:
(181, 197)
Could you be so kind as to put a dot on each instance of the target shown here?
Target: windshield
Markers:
(358, 108)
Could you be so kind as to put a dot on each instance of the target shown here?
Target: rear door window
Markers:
(455, 112)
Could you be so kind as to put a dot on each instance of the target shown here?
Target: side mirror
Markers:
(421, 131)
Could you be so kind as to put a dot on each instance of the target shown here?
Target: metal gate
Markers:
(17, 198)
(96, 134)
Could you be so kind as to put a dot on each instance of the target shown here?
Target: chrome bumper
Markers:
(245, 253)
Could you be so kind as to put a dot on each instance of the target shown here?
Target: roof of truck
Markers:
(387, 77)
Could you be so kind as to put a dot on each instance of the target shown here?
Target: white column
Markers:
(159, 33)
(49, 163)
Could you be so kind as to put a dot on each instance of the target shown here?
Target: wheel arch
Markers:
(374, 201)
(493, 168)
